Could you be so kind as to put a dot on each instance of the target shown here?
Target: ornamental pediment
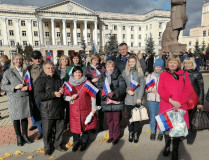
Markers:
(66, 6)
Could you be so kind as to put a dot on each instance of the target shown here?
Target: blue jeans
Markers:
(153, 110)
(37, 123)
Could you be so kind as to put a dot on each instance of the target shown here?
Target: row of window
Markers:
(10, 23)
(12, 43)
(205, 33)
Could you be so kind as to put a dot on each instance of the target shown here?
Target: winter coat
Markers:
(120, 64)
(51, 107)
(118, 86)
(80, 109)
(138, 92)
(18, 101)
(155, 97)
(198, 84)
(69, 69)
(150, 62)
(178, 90)
(207, 96)
(143, 65)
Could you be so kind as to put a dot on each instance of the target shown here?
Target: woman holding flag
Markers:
(135, 82)
(18, 97)
(81, 96)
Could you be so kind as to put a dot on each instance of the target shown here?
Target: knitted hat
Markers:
(159, 62)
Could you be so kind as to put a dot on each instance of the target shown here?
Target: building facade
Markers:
(64, 27)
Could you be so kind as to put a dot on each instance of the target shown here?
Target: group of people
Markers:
(79, 96)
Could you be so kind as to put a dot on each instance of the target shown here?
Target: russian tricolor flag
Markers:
(96, 73)
(164, 122)
(90, 88)
(106, 88)
(133, 83)
(28, 80)
(150, 84)
(49, 56)
(67, 87)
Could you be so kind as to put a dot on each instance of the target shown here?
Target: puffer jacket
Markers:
(118, 86)
(120, 64)
(51, 106)
(197, 83)
(150, 95)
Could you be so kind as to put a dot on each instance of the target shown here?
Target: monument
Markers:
(174, 26)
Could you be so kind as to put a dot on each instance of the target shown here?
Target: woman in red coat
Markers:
(174, 91)
(82, 109)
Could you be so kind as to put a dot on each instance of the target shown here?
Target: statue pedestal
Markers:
(176, 48)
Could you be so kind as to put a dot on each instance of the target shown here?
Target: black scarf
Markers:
(174, 75)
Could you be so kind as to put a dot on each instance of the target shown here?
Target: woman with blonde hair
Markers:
(18, 98)
(5, 62)
(133, 72)
(64, 62)
(196, 79)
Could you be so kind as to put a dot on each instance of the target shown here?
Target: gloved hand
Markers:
(88, 118)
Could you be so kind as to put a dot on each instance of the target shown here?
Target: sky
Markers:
(194, 7)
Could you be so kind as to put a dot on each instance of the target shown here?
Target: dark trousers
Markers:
(48, 126)
(83, 139)
(134, 127)
(113, 122)
(24, 125)
(101, 117)
(37, 123)
(192, 133)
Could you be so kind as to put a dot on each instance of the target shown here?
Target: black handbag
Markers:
(200, 120)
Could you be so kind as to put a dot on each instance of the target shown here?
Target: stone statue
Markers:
(178, 21)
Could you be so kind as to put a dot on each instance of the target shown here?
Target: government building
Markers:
(63, 27)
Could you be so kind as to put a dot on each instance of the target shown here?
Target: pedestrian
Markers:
(5, 62)
(150, 62)
(49, 92)
(134, 97)
(196, 79)
(174, 92)
(18, 98)
(153, 98)
(142, 62)
(113, 102)
(82, 109)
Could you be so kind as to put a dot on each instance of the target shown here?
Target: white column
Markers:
(95, 33)
(143, 35)
(103, 36)
(136, 36)
(17, 28)
(41, 31)
(119, 33)
(128, 35)
(64, 31)
(4, 27)
(52, 30)
(75, 41)
(29, 26)
(85, 32)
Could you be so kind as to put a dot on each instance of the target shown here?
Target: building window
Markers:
(115, 36)
(35, 33)
(124, 36)
(68, 25)
(132, 36)
(68, 34)
(204, 33)
(160, 25)
(106, 27)
(78, 26)
(140, 36)
(124, 28)
(10, 22)
(88, 35)
(69, 44)
(34, 23)
(12, 43)
(159, 42)
(140, 44)
(78, 35)
(22, 23)
(23, 33)
(1, 53)
(79, 44)
(140, 28)
(11, 32)
(24, 43)
(132, 28)
(106, 36)
(132, 44)
(36, 43)
(58, 34)
(97, 26)
(57, 25)
(46, 24)
(48, 43)
(115, 27)
(160, 34)
(190, 43)
(47, 34)
(98, 35)
(88, 26)
(1, 42)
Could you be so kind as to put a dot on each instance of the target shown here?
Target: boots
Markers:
(131, 136)
(24, 123)
(136, 137)
(176, 142)
(19, 140)
(167, 146)
(16, 124)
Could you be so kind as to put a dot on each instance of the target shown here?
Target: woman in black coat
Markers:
(197, 82)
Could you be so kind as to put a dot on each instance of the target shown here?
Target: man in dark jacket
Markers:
(120, 61)
(49, 92)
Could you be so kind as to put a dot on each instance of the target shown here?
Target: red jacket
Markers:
(178, 90)
(80, 110)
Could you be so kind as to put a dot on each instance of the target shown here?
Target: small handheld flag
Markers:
(67, 87)
(96, 73)
(150, 84)
(133, 83)
(49, 56)
(106, 88)
(71, 72)
(164, 122)
(94, 48)
(90, 88)
(27, 80)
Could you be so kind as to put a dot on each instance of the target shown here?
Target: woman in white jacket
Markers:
(153, 98)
